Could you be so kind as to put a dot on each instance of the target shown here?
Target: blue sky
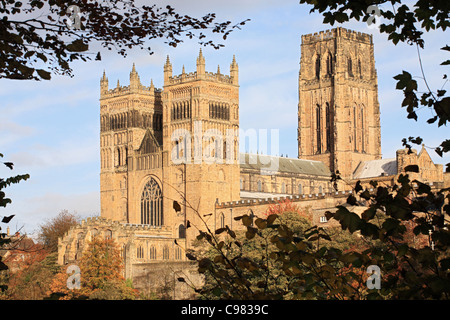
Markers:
(50, 129)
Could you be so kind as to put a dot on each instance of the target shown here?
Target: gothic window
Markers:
(329, 64)
(140, 252)
(222, 220)
(166, 253)
(152, 253)
(328, 127)
(359, 69)
(259, 186)
(318, 67)
(181, 231)
(108, 234)
(362, 130)
(355, 133)
(349, 67)
(318, 129)
(151, 204)
(219, 111)
(178, 253)
(117, 160)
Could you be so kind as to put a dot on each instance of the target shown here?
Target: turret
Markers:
(234, 71)
(135, 82)
(103, 84)
(167, 71)
(200, 64)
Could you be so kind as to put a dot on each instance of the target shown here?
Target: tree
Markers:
(33, 281)
(404, 23)
(101, 275)
(38, 38)
(55, 228)
(4, 201)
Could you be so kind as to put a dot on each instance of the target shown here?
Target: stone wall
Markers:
(160, 279)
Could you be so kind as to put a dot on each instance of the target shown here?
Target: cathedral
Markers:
(170, 156)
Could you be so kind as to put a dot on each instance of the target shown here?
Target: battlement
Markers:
(126, 90)
(337, 33)
(103, 223)
(294, 198)
(193, 76)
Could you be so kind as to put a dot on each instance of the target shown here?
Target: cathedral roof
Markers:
(283, 165)
(375, 168)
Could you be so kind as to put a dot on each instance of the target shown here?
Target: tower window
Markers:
(219, 111)
(349, 67)
(318, 129)
(181, 231)
(328, 127)
(329, 64)
(318, 67)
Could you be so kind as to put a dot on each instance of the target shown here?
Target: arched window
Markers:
(359, 69)
(318, 67)
(259, 186)
(222, 220)
(140, 252)
(349, 67)
(355, 128)
(178, 253)
(283, 187)
(328, 126)
(318, 129)
(362, 130)
(329, 64)
(320, 190)
(300, 189)
(242, 184)
(181, 231)
(151, 204)
(166, 255)
(108, 234)
(152, 253)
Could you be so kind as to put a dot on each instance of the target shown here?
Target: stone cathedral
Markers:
(181, 143)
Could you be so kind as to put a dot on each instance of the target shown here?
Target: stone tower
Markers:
(127, 115)
(200, 138)
(338, 110)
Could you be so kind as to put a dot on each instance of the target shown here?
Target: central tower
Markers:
(200, 138)
(338, 110)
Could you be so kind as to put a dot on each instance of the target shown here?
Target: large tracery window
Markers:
(151, 204)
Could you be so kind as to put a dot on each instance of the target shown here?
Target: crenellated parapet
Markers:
(337, 33)
(275, 200)
(200, 73)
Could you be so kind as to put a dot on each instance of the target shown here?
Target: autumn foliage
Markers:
(284, 206)
(101, 275)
